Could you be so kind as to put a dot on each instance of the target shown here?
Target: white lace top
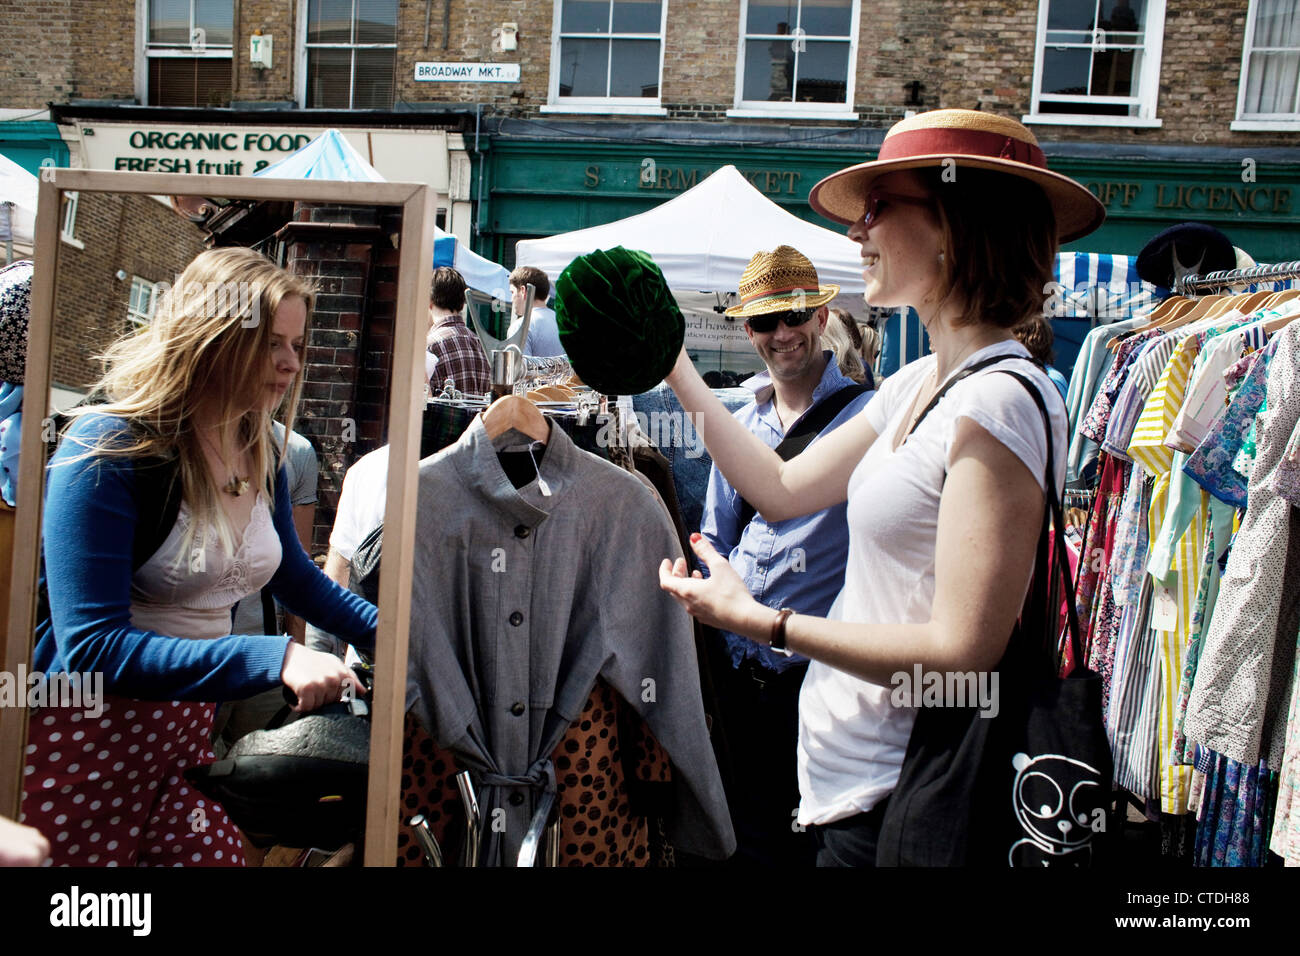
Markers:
(191, 595)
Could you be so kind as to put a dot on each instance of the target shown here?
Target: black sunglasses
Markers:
(768, 321)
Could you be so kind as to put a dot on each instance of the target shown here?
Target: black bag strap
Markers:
(157, 494)
(1054, 512)
(269, 623)
(808, 428)
(953, 380)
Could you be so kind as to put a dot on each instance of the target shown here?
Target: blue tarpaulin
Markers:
(328, 156)
(482, 275)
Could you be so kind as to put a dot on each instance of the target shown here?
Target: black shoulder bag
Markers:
(1030, 785)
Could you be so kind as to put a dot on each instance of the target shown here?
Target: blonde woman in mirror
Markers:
(166, 504)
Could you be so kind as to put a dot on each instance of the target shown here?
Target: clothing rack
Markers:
(1196, 284)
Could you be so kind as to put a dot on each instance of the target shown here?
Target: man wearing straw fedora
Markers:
(797, 563)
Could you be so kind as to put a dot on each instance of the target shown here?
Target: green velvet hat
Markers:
(618, 322)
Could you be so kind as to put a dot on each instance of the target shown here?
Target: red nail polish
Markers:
(695, 537)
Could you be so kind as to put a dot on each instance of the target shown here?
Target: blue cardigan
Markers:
(89, 527)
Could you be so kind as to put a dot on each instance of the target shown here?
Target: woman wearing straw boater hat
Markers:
(943, 471)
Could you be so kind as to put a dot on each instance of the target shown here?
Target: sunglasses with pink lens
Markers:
(879, 198)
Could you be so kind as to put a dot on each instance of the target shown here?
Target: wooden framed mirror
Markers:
(88, 289)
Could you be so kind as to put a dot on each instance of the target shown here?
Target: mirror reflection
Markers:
(217, 367)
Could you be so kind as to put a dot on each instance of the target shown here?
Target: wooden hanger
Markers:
(1277, 298)
(1250, 302)
(1278, 321)
(517, 412)
(1199, 311)
(1158, 315)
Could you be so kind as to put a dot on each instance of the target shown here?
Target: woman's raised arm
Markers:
(815, 479)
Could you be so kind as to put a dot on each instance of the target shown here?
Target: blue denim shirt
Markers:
(685, 451)
(796, 563)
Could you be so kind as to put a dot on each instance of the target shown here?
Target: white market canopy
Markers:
(704, 238)
(19, 187)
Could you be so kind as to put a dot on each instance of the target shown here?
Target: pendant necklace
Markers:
(238, 484)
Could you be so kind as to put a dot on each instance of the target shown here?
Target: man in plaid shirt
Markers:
(460, 354)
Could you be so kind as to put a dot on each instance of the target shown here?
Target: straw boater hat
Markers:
(782, 280)
(971, 139)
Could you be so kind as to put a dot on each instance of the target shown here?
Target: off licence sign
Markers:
(467, 72)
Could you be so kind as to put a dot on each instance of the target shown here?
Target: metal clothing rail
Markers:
(1190, 285)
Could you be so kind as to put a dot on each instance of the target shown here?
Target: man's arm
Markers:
(304, 518)
(720, 519)
(304, 473)
(338, 568)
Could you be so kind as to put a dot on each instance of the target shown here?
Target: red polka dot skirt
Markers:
(109, 790)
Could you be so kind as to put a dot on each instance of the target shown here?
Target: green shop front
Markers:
(529, 188)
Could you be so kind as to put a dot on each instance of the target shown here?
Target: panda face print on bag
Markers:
(1060, 804)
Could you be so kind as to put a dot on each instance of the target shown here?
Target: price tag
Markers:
(1164, 610)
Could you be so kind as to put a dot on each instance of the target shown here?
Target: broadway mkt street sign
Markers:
(467, 72)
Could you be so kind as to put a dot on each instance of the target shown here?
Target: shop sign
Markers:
(467, 72)
(650, 176)
(214, 151)
(1235, 198)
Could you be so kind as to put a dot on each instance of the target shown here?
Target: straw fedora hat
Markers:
(970, 139)
(782, 280)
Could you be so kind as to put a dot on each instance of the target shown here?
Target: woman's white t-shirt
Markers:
(851, 737)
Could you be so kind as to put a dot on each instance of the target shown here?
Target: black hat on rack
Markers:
(618, 322)
(1189, 248)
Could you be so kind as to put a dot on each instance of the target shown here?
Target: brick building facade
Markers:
(1167, 87)
(1146, 103)
(110, 245)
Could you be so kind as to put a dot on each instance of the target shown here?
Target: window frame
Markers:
(749, 109)
(146, 51)
(303, 83)
(644, 105)
(1148, 80)
(138, 319)
(1257, 121)
(68, 221)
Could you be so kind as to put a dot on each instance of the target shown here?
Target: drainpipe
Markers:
(478, 152)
